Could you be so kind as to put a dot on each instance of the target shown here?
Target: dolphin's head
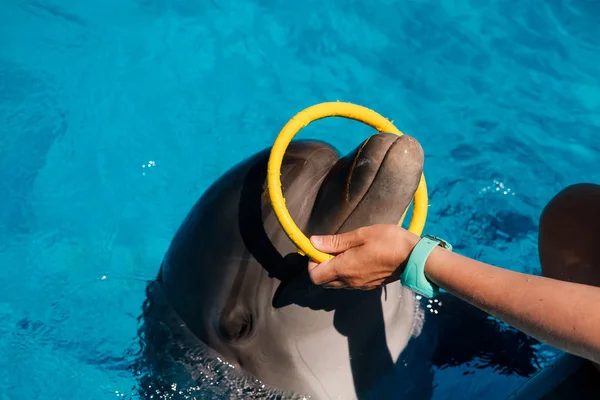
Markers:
(239, 284)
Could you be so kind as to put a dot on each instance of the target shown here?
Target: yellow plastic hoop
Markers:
(294, 125)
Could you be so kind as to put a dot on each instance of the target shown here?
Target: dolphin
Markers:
(238, 284)
(232, 288)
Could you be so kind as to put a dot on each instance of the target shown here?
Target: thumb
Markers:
(337, 243)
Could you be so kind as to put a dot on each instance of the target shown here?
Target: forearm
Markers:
(563, 314)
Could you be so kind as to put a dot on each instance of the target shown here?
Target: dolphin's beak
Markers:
(353, 176)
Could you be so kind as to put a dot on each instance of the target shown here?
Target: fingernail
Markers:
(316, 240)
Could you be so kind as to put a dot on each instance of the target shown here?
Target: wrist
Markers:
(404, 247)
(409, 241)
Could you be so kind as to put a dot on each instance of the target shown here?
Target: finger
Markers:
(323, 273)
(337, 243)
(335, 285)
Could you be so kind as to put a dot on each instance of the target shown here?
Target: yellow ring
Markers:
(294, 125)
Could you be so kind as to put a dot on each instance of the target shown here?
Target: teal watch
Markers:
(413, 276)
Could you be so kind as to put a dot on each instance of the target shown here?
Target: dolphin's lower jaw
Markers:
(175, 364)
(378, 348)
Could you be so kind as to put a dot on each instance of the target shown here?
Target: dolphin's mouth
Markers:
(358, 162)
(370, 155)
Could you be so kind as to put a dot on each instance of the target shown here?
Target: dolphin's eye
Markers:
(236, 326)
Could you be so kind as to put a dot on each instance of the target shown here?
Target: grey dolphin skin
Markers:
(233, 304)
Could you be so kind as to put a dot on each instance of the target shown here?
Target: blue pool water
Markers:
(116, 115)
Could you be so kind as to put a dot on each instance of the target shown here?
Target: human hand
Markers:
(365, 258)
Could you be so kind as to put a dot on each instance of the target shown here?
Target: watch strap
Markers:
(413, 275)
